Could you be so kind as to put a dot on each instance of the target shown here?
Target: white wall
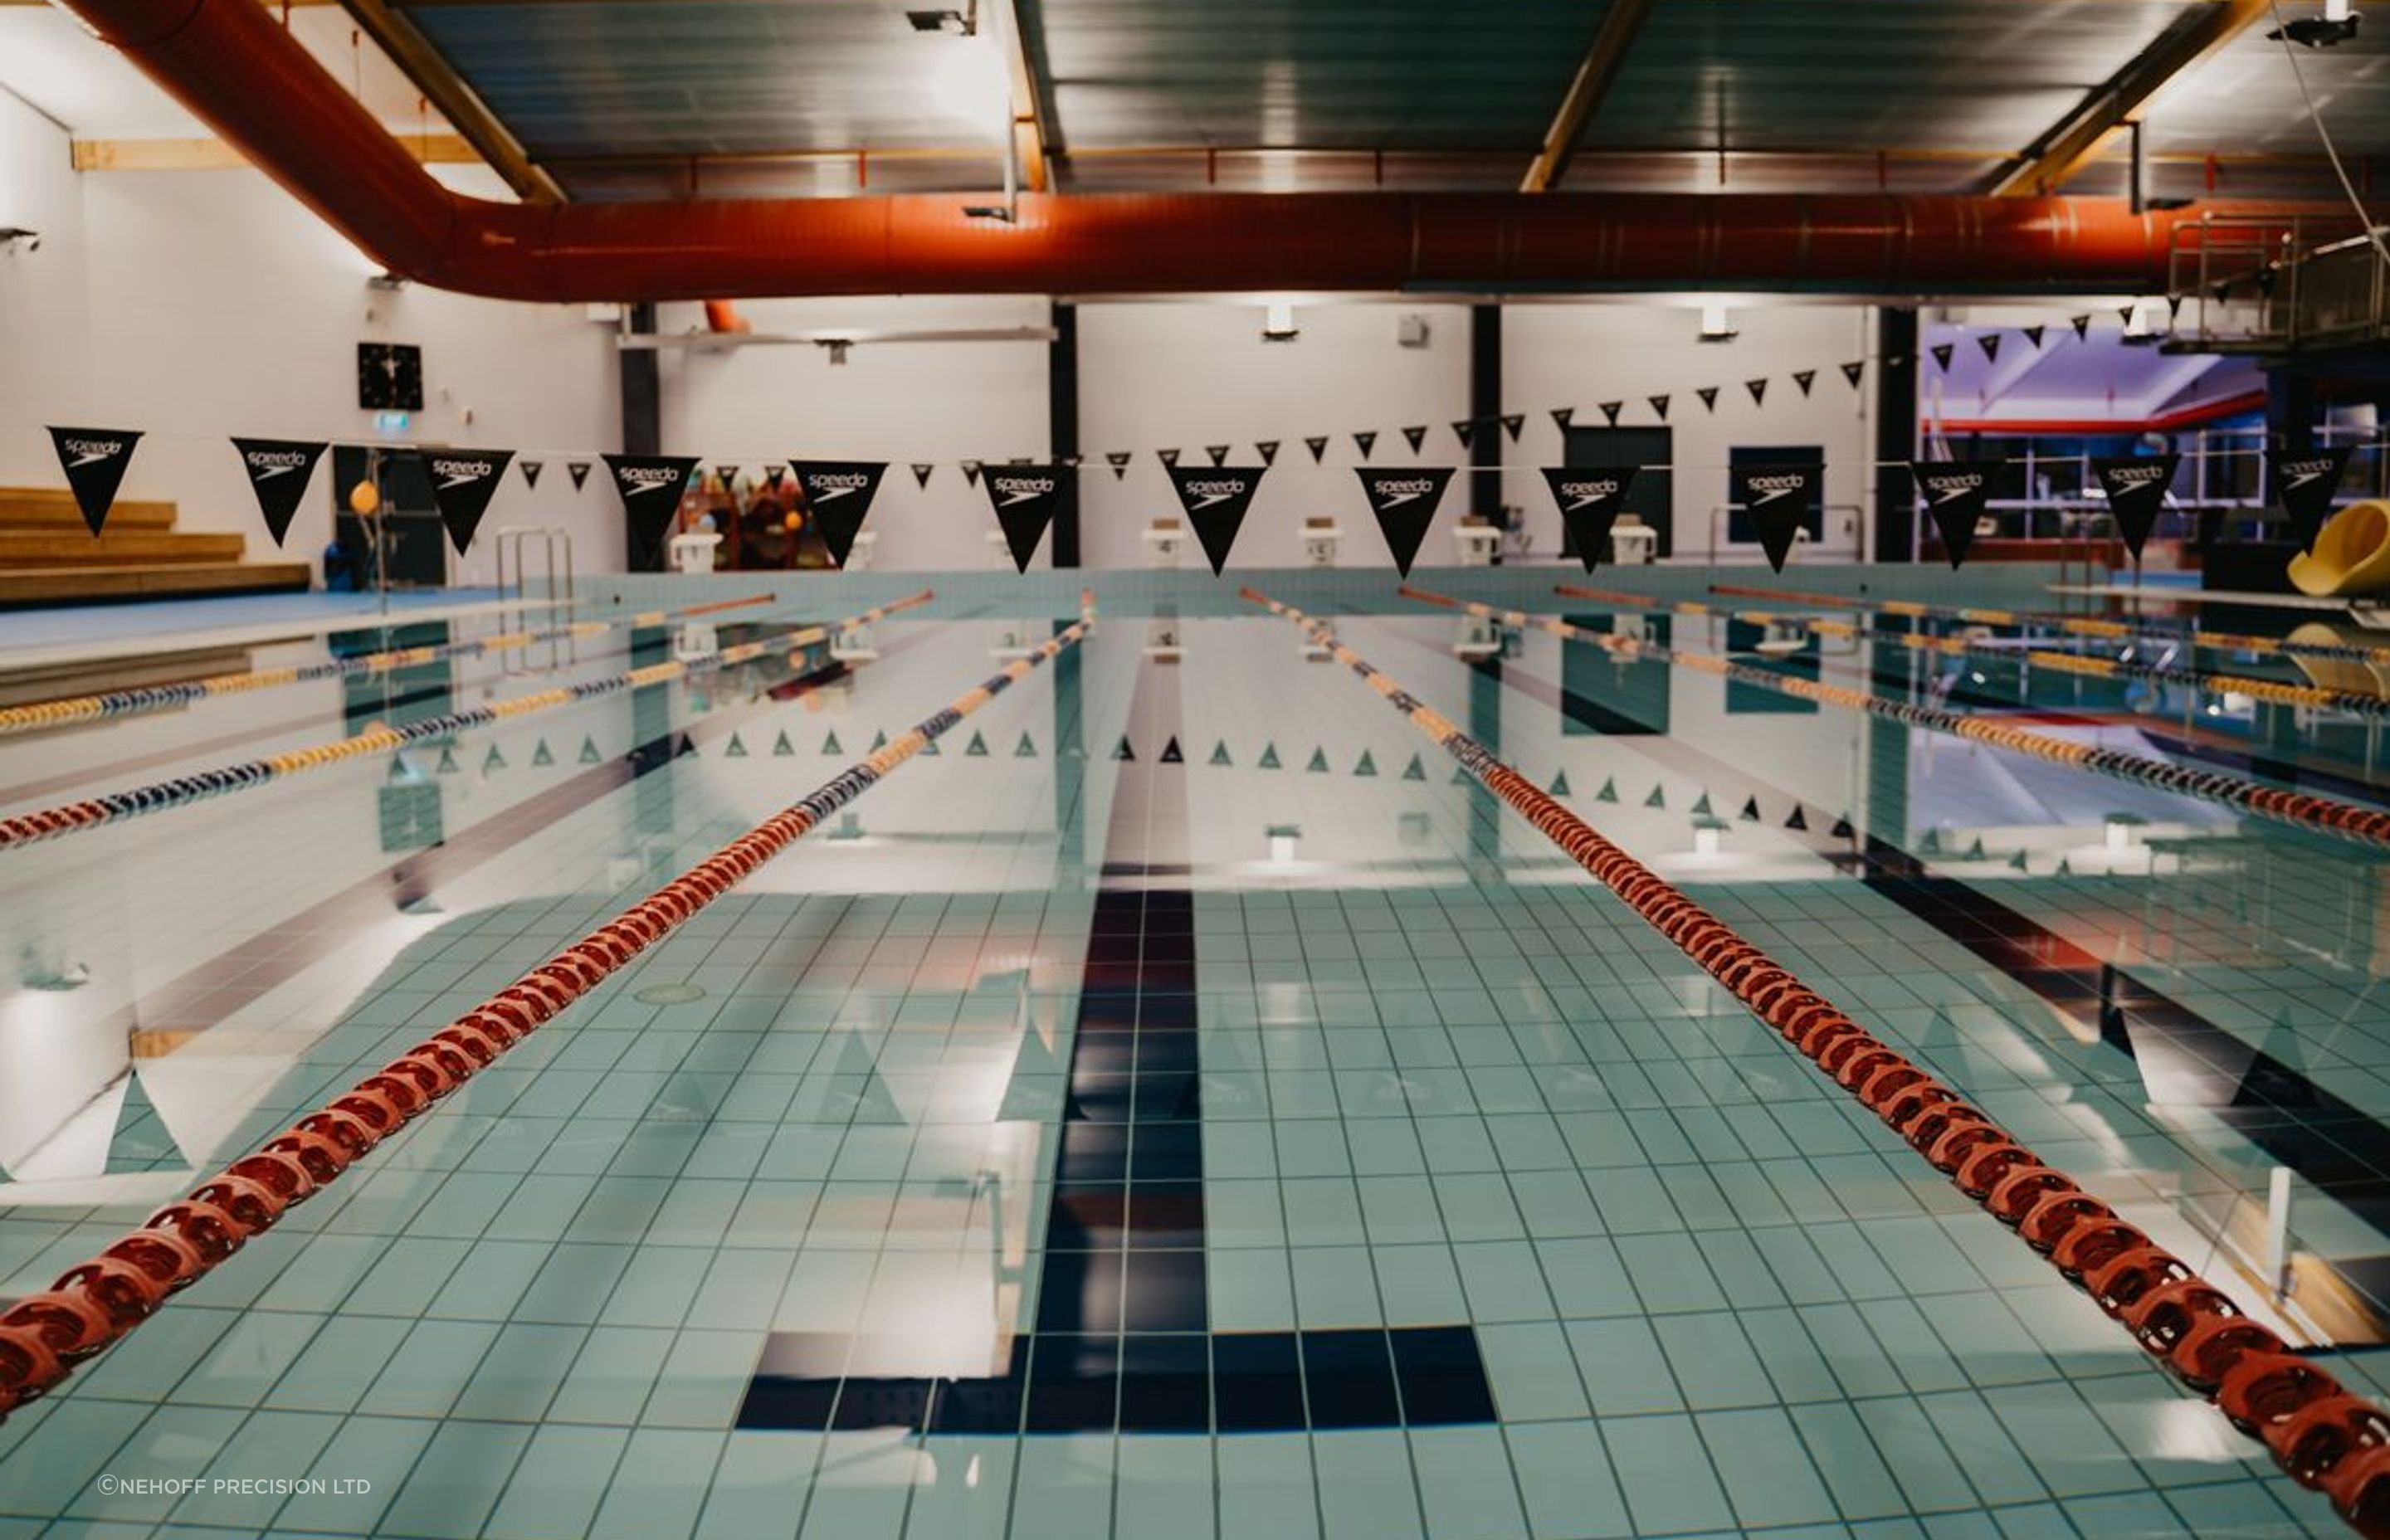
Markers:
(899, 402)
(197, 305)
(1582, 354)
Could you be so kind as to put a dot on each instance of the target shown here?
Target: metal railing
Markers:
(2278, 281)
(514, 583)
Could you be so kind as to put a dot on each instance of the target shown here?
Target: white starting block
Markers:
(1481, 636)
(1321, 540)
(693, 552)
(1163, 542)
(696, 643)
(1475, 544)
(1633, 543)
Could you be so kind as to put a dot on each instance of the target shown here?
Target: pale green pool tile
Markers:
(1669, 1274)
(1847, 1459)
(1714, 1366)
(430, 1370)
(555, 1487)
(1166, 1488)
(1335, 1286)
(1989, 1342)
(1976, 1439)
(1504, 1282)
(1915, 1348)
(2069, 1447)
(657, 1287)
(254, 1352)
(1555, 1204)
(541, 1208)
(340, 1364)
(173, 1443)
(1587, 1278)
(1794, 1364)
(743, 1289)
(269, 1446)
(1914, 1450)
(1250, 1291)
(1766, 1469)
(1566, 1481)
(1623, 1368)
(1367, 1485)
(704, 1380)
(491, 1280)
(1667, 1473)
(1265, 1488)
(1063, 1487)
(407, 1277)
(1532, 1371)
(459, 1480)
(520, 1373)
(1419, 1285)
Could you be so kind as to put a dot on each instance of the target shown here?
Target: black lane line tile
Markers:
(989, 1406)
(1165, 1293)
(1349, 1378)
(1165, 1384)
(881, 1403)
(781, 1401)
(1257, 1383)
(1441, 1376)
(1074, 1384)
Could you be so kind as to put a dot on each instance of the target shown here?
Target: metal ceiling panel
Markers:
(1986, 75)
(2246, 98)
(683, 77)
(1308, 74)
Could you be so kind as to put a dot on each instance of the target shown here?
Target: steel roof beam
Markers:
(2045, 165)
(1620, 26)
(441, 85)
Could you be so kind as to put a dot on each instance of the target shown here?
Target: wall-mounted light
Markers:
(1277, 322)
(1717, 326)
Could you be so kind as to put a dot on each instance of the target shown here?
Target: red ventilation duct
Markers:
(231, 64)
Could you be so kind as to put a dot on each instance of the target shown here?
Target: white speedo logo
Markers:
(2298, 473)
(267, 464)
(92, 450)
(459, 473)
(1766, 489)
(1213, 493)
(825, 486)
(1949, 488)
(638, 481)
(1393, 495)
(2137, 477)
(1020, 489)
(1583, 494)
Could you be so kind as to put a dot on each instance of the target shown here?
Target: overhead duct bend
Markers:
(230, 63)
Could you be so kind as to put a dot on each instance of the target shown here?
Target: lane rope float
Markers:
(73, 818)
(2298, 809)
(2279, 692)
(2323, 1437)
(72, 709)
(99, 1302)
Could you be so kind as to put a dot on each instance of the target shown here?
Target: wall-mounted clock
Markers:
(390, 377)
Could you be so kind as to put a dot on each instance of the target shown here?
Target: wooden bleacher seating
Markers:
(48, 556)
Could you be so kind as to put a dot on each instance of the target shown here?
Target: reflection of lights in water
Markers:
(970, 1473)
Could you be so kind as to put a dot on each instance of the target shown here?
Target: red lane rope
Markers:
(95, 1304)
(2323, 1437)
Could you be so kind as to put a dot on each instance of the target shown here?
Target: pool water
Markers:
(1182, 1105)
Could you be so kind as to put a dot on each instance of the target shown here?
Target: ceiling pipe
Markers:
(257, 88)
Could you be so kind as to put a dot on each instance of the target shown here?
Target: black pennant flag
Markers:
(1319, 448)
(1659, 404)
(1955, 491)
(94, 459)
(650, 486)
(1417, 436)
(1216, 453)
(1709, 397)
(971, 473)
(1168, 457)
(1405, 501)
(772, 474)
(1562, 416)
(2304, 484)
(1758, 388)
(1778, 497)
(2034, 335)
(1513, 422)
(1941, 352)
(1852, 372)
(463, 481)
(1610, 410)
(729, 478)
(2136, 489)
(278, 471)
(1073, 460)
(1990, 343)
(1267, 450)
(840, 492)
(1216, 501)
(1365, 442)
(531, 469)
(2082, 325)
(1023, 498)
(1804, 379)
(2127, 312)
(921, 475)
(1118, 460)
(580, 472)
(1465, 432)
(1590, 498)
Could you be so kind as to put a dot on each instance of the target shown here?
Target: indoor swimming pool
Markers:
(1174, 1098)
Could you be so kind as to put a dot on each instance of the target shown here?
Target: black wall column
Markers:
(642, 427)
(1062, 427)
(1485, 410)
(1895, 432)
